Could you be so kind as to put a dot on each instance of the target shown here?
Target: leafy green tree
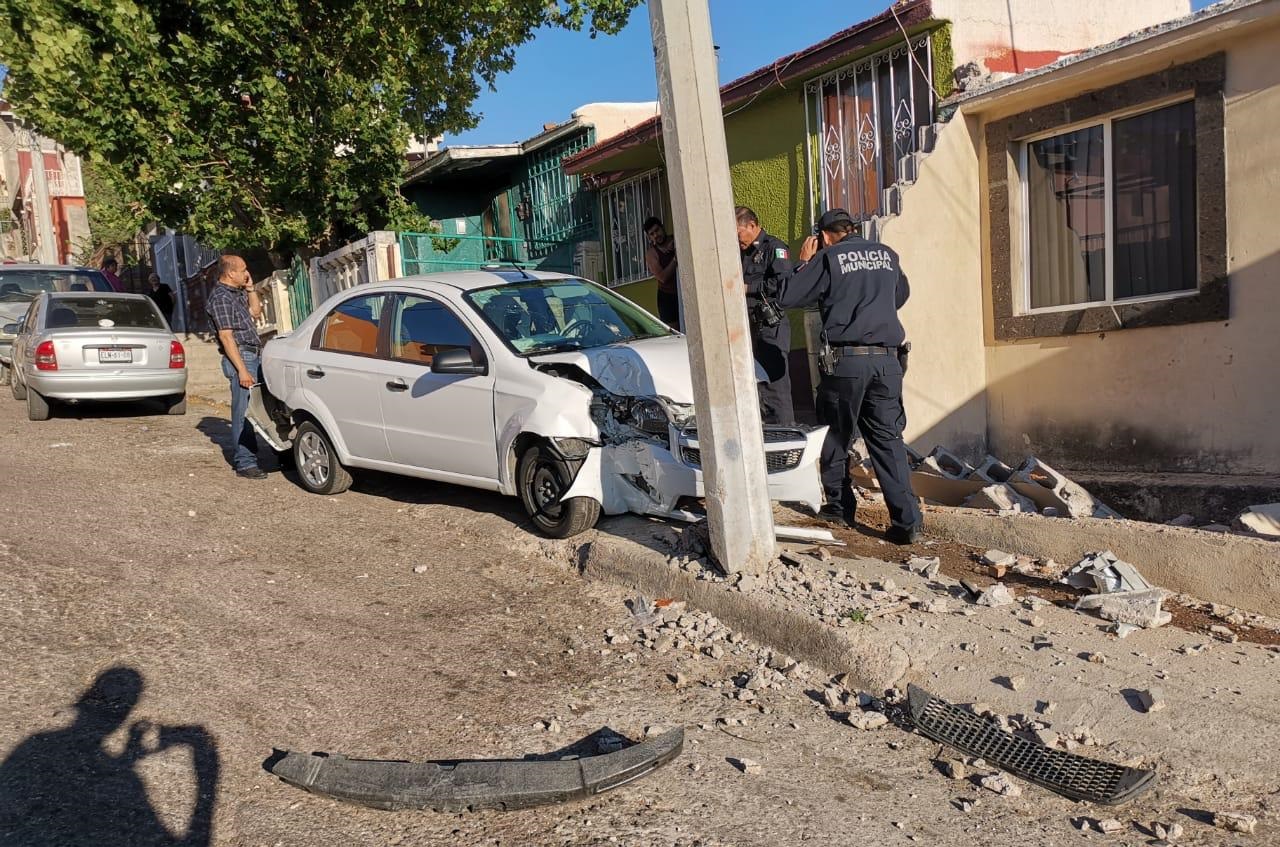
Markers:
(114, 218)
(279, 123)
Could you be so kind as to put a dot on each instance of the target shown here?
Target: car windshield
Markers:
(548, 316)
(21, 285)
(105, 312)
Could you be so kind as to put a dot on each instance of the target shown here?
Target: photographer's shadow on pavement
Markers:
(63, 787)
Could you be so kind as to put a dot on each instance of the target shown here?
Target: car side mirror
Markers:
(458, 361)
(11, 329)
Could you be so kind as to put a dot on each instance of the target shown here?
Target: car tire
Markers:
(176, 405)
(319, 470)
(37, 406)
(5, 375)
(19, 391)
(541, 477)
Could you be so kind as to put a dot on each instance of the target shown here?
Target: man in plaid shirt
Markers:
(232, 307)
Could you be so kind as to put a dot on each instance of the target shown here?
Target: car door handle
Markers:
(315, 373)
(397, 385)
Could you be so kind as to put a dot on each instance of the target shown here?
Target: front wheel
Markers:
(542, 477)
(317, 463)
(176, 405)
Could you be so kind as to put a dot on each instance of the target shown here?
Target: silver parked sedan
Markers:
(76, 346)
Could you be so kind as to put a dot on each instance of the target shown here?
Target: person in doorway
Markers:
(110, 267)
(162, 294)
(233, 306)
(766, 265)
(858, 287)
(660, 259)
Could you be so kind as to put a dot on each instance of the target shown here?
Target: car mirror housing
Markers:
(458, 361)
(11, 329)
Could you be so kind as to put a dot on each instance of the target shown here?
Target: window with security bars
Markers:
(627, 206)
(863, 119)
(553, 204)
(1110, 210)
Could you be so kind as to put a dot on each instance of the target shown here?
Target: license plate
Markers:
(115, 355)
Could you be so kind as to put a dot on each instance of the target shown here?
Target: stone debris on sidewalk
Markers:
(1262, 519)
(1105, 573)
(1167, 831)
(1152, 700)
(995, 595)
(749, 767)
(1122, 595)
(926, 566)
(1000, 498)
(1235, 822)
(999, 783)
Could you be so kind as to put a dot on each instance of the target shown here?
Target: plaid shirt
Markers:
(228, 308)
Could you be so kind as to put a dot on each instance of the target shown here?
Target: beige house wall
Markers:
(609, 119)
(1016, 35)
(938, 238)
(1196, 397)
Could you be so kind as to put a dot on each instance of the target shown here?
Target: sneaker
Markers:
(834, 514)
(903, 535)
(253, 472)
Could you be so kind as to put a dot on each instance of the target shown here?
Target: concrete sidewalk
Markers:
(205, 381)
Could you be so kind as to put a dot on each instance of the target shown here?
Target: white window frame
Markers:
(656, 176)
(1024, 214)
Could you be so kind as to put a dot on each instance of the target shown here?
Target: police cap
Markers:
(834, 217)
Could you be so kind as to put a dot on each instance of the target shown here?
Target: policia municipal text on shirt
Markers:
(766, 265)
(858, 287)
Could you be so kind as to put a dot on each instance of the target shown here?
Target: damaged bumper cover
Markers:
(649, 477)
(459, 786)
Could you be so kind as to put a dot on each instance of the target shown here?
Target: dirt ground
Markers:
(256, 617)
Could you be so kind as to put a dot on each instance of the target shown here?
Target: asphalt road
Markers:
(228, 617)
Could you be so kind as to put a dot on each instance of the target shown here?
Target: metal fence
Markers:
(426, 252)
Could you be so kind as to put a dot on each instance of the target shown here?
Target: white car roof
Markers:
(471, 280)
(31, 266)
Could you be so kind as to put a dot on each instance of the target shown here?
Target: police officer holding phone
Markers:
(858, 287)
(766, 265)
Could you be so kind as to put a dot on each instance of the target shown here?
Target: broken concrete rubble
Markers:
(1151, 700)
(998, 783)
(927, 566)
(1105, 573)
(1263, 520)
(996, 595)
(1000, 498)
(998, 557)
(942, 462)
(1135, 608)
(1076, 502)
(1235, 822)
(992, 470)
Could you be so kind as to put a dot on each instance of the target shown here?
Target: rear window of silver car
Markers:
(103, 312)
(22, 285)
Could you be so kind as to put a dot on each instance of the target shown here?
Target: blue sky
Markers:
(558, 71)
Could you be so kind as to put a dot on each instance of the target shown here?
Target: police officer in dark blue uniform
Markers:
(858, 287)
(766, 265)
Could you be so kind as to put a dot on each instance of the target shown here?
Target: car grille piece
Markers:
(1057, 770)
(775, 461)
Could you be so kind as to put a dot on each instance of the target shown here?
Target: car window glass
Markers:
(23, 284)
(422, 328)
(105, 312)
(352, 327)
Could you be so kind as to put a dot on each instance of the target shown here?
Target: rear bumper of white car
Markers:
(121, 385)
(649, 478)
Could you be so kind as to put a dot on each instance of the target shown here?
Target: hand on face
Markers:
(809, 249)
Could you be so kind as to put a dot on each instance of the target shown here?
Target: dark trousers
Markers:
(770, 346)
(669, 308)
(865, 395)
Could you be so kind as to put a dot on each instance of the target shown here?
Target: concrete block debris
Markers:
(996, 595)
(927, 566)
(1264, 519)
(992, 470)
(1167, 831)
(748, 766)
(942, 462)
(1076, 502)
(998, 783)
(1235, 822)
(996, 558)
(1134, 608)
(1182, 520)
(1151, 700)
(1105, 573)
(1000, 498)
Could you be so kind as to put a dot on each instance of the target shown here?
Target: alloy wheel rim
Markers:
(315, 459)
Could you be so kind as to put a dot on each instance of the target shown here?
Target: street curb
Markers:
(1234, 570)
(874, 660)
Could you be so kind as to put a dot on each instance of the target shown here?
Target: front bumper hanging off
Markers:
(459, 786)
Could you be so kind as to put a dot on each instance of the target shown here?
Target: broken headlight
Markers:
(574, 448)
(647, 415)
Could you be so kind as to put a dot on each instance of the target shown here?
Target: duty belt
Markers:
(859, 350)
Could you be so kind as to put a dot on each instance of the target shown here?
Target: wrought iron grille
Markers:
(627, 206)
(553, 204)
(862, 119)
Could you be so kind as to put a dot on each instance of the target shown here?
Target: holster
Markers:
(903, 351)
(826, 358)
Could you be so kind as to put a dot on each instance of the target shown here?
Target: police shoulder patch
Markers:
(781, 253)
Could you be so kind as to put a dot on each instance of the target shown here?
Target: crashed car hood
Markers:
(646, 368)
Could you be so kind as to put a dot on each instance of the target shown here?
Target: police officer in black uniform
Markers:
(766, 265)
(858, 286)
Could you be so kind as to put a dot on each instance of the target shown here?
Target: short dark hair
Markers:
(110, 262)
(840, 228)
(650, 223)
(745, 215)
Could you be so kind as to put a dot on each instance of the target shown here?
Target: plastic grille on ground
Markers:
(1057, 770)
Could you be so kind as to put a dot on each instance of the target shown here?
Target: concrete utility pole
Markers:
(740, 515)
(43, 208)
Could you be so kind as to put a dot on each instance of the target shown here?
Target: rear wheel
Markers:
(37, 406)
(542, 477)
(5, 375)
(176, 405)
(19, 391)
(318, 468)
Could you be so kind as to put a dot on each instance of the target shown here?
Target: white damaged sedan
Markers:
(533, 384)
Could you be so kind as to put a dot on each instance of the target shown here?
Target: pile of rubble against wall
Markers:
(945, 479)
